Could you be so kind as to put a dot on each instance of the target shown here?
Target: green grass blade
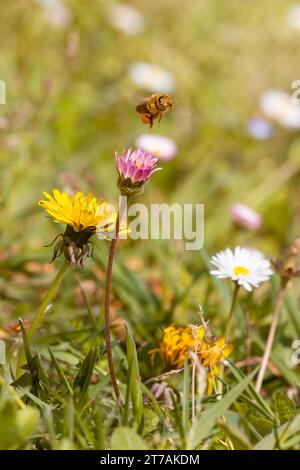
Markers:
(186, 398)
(134, 381)
(204, 425)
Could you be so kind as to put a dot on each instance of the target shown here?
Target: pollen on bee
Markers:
(145, 119)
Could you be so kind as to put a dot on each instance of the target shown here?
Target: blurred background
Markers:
(74, 72)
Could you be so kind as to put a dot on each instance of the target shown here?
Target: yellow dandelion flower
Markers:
(78, 211)
(83, 215)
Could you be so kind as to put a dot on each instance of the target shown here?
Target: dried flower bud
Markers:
(288, 267)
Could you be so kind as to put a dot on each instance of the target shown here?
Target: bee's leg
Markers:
(147, 119)
(150, 120)
(159, 119)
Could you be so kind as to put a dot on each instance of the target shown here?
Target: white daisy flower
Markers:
(127, 19)
(152, 77)
(293, 17)
(160, 146)
(278, 105)
(245, 266)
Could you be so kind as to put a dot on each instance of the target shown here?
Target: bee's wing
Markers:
(136, 100)
(141, 107)
(181, 109)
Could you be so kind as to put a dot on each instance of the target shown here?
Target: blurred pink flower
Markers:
(160, 146)
(136, 166)
(56, 13)
(245, 216)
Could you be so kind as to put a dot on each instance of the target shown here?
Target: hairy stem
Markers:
(269, 344)
(112, 250)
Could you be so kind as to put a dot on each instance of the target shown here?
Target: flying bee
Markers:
(154, 107)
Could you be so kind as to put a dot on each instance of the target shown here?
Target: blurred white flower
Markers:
(55, 12)
(278, 105)
(245, 216)
(259, 128)
(160, 146)
(245, 266)
(293, 17)
(152, 77)
(3, 122)
(127, 19)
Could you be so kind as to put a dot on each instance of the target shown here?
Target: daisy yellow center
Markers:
(241, 270)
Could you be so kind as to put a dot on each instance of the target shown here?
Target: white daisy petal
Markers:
(245, 266)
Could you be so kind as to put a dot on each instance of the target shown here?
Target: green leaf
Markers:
(60, 372)
(204, 425)
(134, 381)
(284, 432)
(238, 438)
(253, 416)
(17, 425)
(262, 406)
(100, 428)
(283, 406)
(124, 438)
(83, 377)
(293, 312)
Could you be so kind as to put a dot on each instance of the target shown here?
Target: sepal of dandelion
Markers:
(75, 246)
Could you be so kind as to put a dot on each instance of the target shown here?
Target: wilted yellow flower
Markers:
(215, 351)
(178, 344)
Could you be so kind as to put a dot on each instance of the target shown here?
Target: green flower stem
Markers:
(38, 318)
(229, 323)
(112, 250)
(232, 308)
